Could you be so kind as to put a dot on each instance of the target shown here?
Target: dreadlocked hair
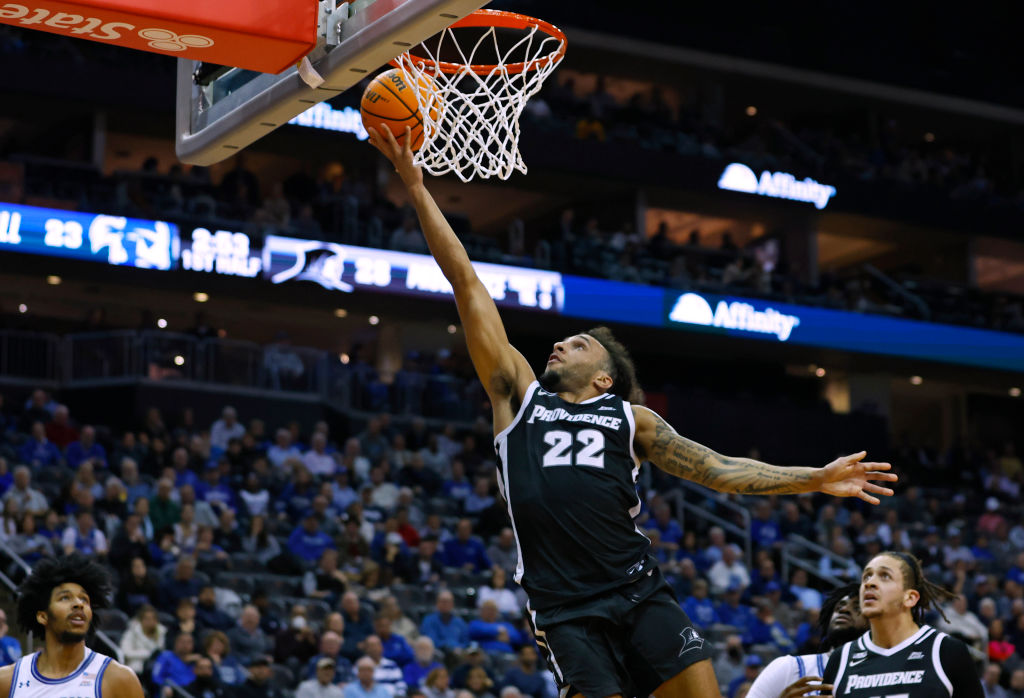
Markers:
(621, 367)
(913, 578)
(48, 574)
(828, 607)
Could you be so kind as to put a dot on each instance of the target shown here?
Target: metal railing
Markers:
(795, 550)
(700, 511)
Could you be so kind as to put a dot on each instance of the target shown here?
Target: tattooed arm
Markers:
(659, 443)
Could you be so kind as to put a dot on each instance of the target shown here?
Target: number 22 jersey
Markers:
(568, 472)
(928, 664)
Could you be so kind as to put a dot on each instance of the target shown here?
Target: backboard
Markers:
(221, 111)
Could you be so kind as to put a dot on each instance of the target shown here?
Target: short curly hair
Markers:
(48, 574)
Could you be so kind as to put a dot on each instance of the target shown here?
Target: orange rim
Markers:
(506, 20)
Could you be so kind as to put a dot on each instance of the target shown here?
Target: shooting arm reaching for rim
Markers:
(847, 476)
(503, 371)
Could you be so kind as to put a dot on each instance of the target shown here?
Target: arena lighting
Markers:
(452, 329)
(340, 312)
(343, 358)
(374, 320)
(916, 380)
(200, 297)
(179, 360)
(779, 185)
(161, 323)
(53, 280)
(929, 137)
(819, 372)
(22, 308)
(751, 110)
(1014, 392)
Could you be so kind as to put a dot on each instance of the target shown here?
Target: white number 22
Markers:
(591, 454)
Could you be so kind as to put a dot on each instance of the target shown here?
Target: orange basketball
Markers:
(390, 101)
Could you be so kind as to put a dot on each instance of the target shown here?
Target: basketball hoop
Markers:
(471, 94)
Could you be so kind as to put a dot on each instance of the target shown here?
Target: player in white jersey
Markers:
(55, 604)
(839, 621)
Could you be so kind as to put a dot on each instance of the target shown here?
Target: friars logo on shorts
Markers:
(691, 641)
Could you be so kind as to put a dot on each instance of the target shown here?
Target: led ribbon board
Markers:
(778, 185)
(117, 240)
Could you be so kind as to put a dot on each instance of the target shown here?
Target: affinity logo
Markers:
(694, 309)
(780, 185)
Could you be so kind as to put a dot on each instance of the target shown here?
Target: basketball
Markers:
(390, 101)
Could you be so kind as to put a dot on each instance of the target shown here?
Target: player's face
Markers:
(847, 615)
(69, 615)
(573, 363)
(882, 591)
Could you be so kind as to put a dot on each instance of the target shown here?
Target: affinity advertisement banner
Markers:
(93, 237)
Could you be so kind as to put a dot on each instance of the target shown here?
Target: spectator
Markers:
(766, 630)
(228, 668)
(307, 541)
(259, 685)
(963, 624)
(752, 666)
(990, 682)
(732, 612)
(10, 648)
(457, 487)
(423, 662)
(322, 685)
(354, 460)
(259, 543)
(480, 498)
(435, 685)
(479, 683)
(1017, 684)
(730, 664)
(424, 567)
(844, 567)
(386, 672)
(401, 624)
(295, 643)
(38, 451)
(358, 624)
(138, 587)
(525, 675)
(699, 607)
(183, 585)
(208, 616)
(144, 636)
(395, 646)
(504, 553)
(365, 685)
(186, 531)
(84, 536)
(422, 480)
(184, 621)
(163, 510)
(764, 529)
(447, 630)
(255, 497)
(497, 590)
(247, 638)
(60, 430)
(26, 499)
(86, 448)
(493, 634)
(175, 665)
(810, 599)
(28, 543)
(326, 582)
(385, 494)
(729, 570)
(671, 533)
(317, 460)
(465, 551)
(226, 428)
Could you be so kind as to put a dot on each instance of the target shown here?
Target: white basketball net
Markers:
(470, 120)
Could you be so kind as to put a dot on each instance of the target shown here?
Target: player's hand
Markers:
(806, 686)
(400, 155)
(850, 476)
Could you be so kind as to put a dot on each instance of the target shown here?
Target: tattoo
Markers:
(687, 459)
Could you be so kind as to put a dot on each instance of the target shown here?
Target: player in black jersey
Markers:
(900, 656)
(569, 446)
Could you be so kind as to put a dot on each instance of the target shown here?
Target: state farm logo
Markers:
(98, 28)
(165, 40)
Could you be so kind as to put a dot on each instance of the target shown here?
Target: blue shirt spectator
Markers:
(172, 666)
(308, 541)
(86, 447)
(524, 674)
(423, 662)
(357, 690)
(208, 616)
(10, 648)
(493, 634)
(765, 630)
(446, 629)
(671, 532)
(699, 607)
(465, 551)
(732, 612)
(38, 451)
(396, 648)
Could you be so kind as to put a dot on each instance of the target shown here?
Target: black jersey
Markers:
(568, 474)
(928, 664)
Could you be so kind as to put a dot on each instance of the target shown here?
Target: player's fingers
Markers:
(855, 457)
(877, 466)
(876, 489)
(882, 477)
(407, 143)
(867, 497)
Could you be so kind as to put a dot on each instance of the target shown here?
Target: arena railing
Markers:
(795, 551)
(31, 356)
(677, 497)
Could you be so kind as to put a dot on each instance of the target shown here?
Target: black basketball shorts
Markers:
(628, 641)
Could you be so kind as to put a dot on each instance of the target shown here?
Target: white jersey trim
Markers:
(889, 651)
(635, 509)
(937, 663)
(503, 456)
(527, 396)
(842, 665)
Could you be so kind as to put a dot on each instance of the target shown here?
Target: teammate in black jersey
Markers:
(569, 447)
(900, 656)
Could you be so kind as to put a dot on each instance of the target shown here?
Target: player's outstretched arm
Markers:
(848, 476)
(120, 682)
(6, 674)
(501, 368)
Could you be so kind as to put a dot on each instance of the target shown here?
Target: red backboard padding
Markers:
(263, 36)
